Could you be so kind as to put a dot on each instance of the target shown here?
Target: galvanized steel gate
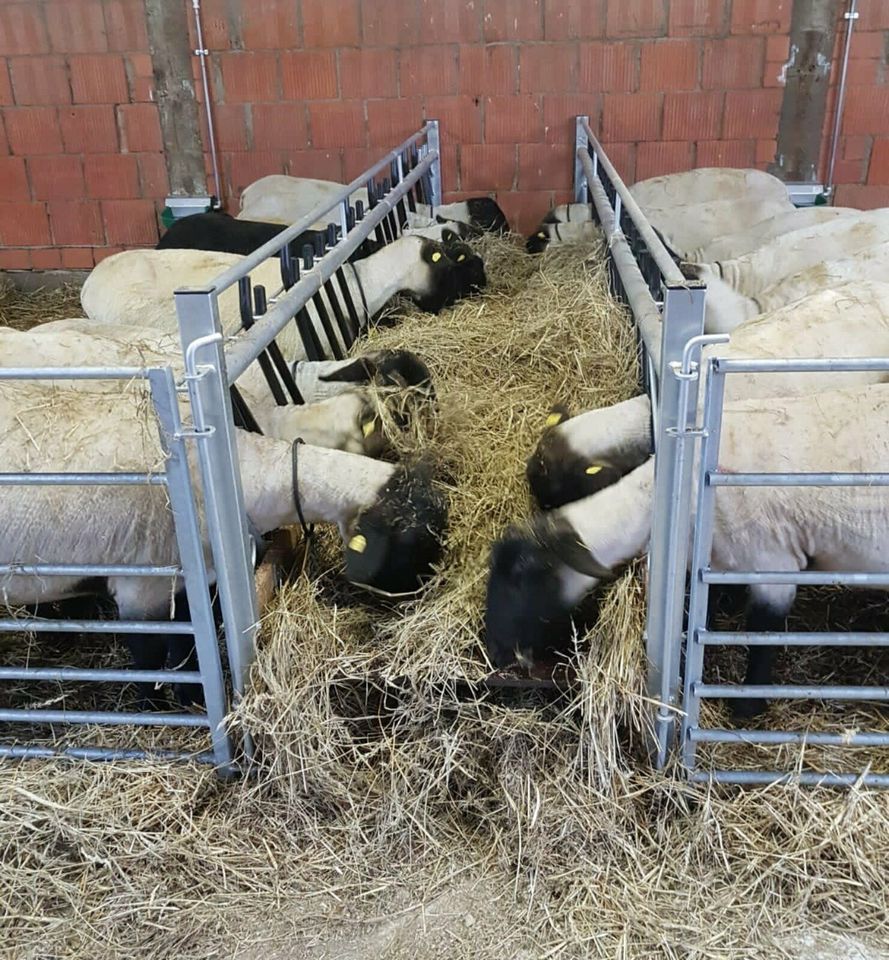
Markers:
(408, 177)
(669, 315)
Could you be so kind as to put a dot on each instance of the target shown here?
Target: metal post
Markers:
(683, 319)
(200, 330)
(191, 558)
(580, 143)
(434, 143)
(703, 542)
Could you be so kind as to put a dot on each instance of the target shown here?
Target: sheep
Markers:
(580, 455)
(726, 308)
(707, 184)
(537, 579)
(343, 421)
(285, 199)
(554, 234)
(320, 379)
(738, 243)
(391, 518)
(687, 228)
(797, 250)
(141, 283)
(219, 231)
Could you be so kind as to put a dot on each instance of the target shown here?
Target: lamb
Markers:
(726, 308)
(285, 199)
(554, 234)
(344, 421)
(706, 185)
(798, 250)
(537, 579)
(580, 455)
(141, 283)
(736, 244)
(391, 518)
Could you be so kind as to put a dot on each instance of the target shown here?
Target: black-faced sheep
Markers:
(537, 579)
(578, 456)
(391, 518)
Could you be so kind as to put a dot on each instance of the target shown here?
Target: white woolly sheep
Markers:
(390, 517)
(141, 283)
(797, 250)
(737, 243)
(537, 579)
(345, 421)
(580, 455)
(705, 185)
(726, 308)
(284, 199)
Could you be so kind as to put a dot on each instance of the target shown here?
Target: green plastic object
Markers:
(167, 218)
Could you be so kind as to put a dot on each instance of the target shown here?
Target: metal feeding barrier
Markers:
(669, 314)
(699, 637)
(176, 478)
(315, 296)
(669, 311)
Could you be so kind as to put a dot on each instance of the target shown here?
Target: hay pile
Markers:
(25, 310)
(383, 785)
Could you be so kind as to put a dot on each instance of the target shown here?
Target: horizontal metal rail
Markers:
(807, 578)
(670, 272)
(101, 753)
(104, 718)
(792, 639)
(780, 737)
(87, 570)
(243, 351)
(805, 779)
(35, 625)
(67, 674)
(84, 479)
(798, 479)
(234, 273)
(724, 365)
(784, 691)
(74, 373)
(648, 317)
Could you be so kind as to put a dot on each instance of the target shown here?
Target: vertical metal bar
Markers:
(850, 17)
(198, 314)
(703, 544)
(683, 319)
(434, 141)
(191, 558)
(580, 143)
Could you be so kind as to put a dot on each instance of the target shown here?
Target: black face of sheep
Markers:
(539, 240)
(487, 215)
(395, 543)
(389, 368)
(469, 266)
(442, 285)
(557, 474)
(525, 615)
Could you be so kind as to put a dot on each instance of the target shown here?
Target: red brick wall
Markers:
(320, 87)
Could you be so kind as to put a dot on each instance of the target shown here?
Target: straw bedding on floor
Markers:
(386, 779)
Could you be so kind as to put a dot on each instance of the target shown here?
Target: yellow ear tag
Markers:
(436, 257)
(461, 258)
(542, 235)
(368, 428)
(553, 419)
(594, 469)
(358, 544)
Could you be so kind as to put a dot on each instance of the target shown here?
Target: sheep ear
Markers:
(558, 413)
(366, 552)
